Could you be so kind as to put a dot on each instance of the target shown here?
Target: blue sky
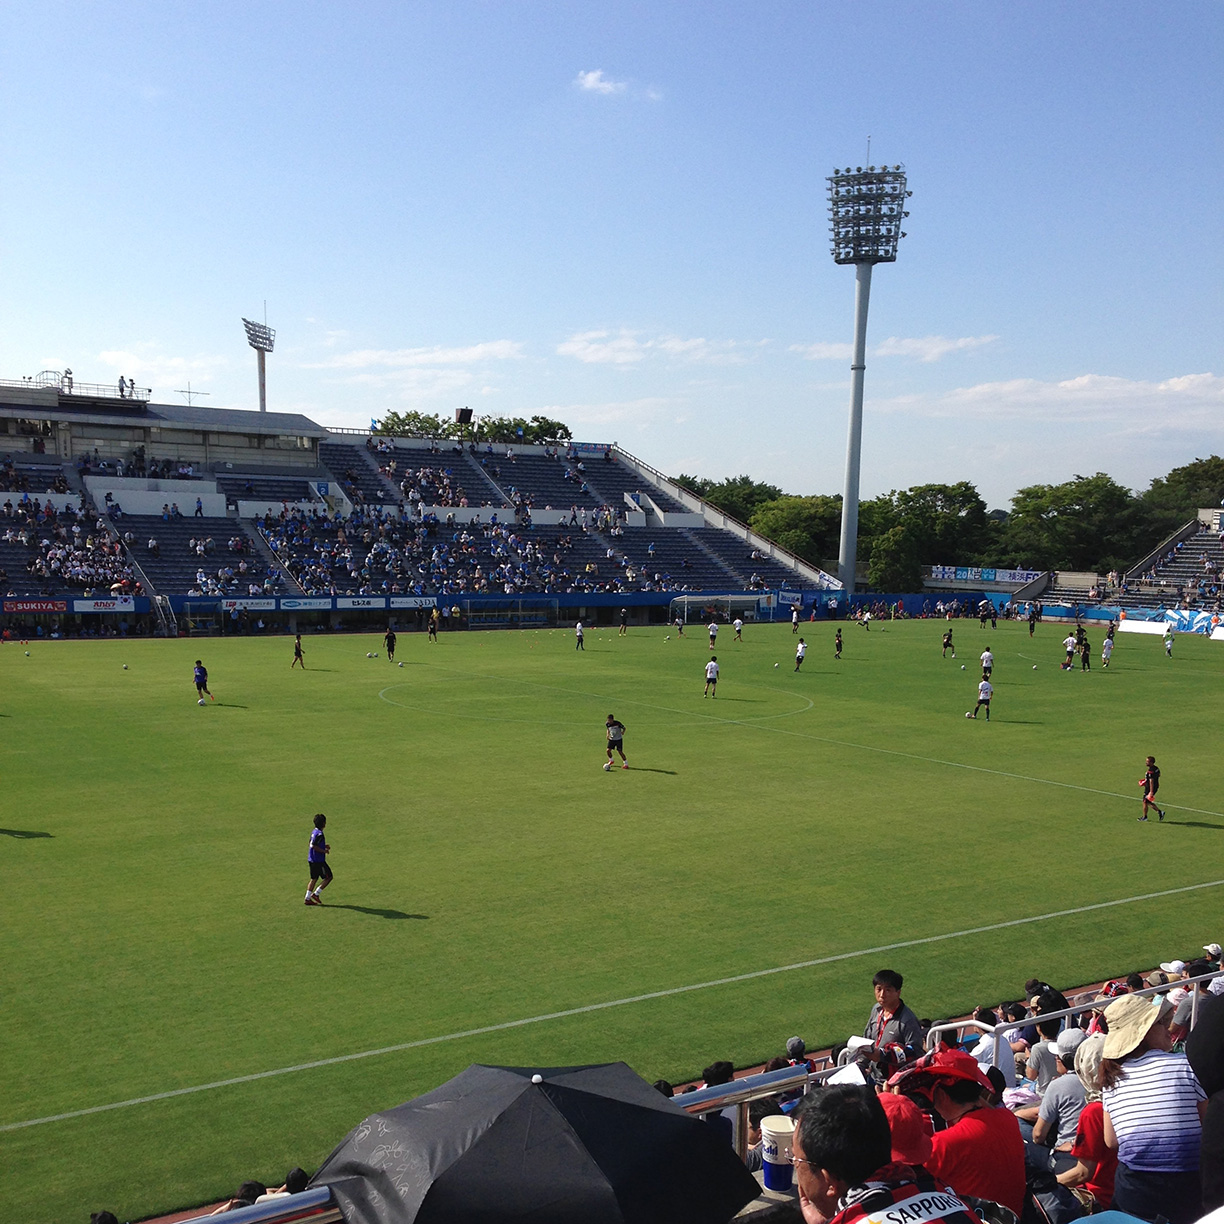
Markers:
(615, 215)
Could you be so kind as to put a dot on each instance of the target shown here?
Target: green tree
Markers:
(1087, 523)
(539, 430)
(738, 496)
(895, 565)
(1176, 498)
(415, 425)
(808, 526)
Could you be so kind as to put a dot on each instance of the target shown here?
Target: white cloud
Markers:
(628, 348)
(823, 351)
(645, 411)
(152, 368)
(1185, 402)
(924, 348)
(596, 82)
(929, 348)
(472, 354)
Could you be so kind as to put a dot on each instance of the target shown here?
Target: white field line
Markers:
(484, 1030)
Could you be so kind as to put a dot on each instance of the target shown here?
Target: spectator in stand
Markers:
(102, 1217)
(247, 1195)
(296, 1181)
(1153, 1113)
(720, 1073)
(1043, 1057)
(984, 1051)
(1183, 1011)
(1036, 990)
(981, 1152)
(894, 1031)
(844, 1167)
(1205, 1053)
(1059, 1112)
(762, 1107)
(1091, 1177)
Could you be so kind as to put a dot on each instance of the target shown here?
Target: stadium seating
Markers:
(612, 481)
(267, 488)
(173, 567)
(354, 469)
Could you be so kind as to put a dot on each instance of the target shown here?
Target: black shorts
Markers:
(320, 871)
(617, 745)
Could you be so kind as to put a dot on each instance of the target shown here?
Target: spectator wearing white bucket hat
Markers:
(1153, 1112)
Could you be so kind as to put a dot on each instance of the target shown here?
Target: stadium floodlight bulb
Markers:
(866, 209)
(260, 336)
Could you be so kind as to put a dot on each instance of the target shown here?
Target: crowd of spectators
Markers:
(66, 550)
(13, 480)
(373, 552)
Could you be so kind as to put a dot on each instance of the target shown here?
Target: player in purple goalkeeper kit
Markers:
(316, 858)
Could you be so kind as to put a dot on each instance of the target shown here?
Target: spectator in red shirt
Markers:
(1095, 1163)
(981, 1153)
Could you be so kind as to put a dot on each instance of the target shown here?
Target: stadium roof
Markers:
(52, 403)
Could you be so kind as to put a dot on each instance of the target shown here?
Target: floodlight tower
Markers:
(866, 208)
(261, 338)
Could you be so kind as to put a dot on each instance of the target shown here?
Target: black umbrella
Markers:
(554, 1145)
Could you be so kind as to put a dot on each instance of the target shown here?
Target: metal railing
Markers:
(316, 1206)
(1012, 1026)
(741, 1092)
(70, 386)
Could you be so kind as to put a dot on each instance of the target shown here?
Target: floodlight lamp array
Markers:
(866, 209)
(259, 335)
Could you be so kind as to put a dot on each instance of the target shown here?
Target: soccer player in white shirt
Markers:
(713, 627)
(711, 677)
(1069, 644)
(985, 692)
(739, 625)
(800, 651)
(987, 664)
(1106, 651)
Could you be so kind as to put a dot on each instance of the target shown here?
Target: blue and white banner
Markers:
(413, 601)
(306, 605)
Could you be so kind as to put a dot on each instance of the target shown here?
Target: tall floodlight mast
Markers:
(261, 338)
(866, 208)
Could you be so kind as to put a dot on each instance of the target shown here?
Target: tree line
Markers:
(1086, 523)
(538, 430)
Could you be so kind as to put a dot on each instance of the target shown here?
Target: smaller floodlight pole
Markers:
(866, 208)
(262, 339)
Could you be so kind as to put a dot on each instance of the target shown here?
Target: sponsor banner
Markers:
(790, 597)
(362, 601)
(969, 573)
(255, 605)
(306, 605)
(588, 448)
(413, 601)
(36, 605)
(120, 603)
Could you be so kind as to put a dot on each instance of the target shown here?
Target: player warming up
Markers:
(316, 860)
(578, 638)
(800, 651)
(711, 677)
(389, 643)
(1151, 784)
(298, 659)
(837, 645)
(201, 682)
(985, 693)
(713, 628)
(615, 732)
(947, 645)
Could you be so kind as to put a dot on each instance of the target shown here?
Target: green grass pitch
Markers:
(488, 870)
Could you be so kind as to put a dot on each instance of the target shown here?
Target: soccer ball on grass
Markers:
(200, 702)
(607, 764)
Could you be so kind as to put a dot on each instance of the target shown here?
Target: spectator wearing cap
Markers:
(1205, 1053)
(1059, 1112)
(1174, 971)
(1183, 1012)
(981, 1152)
(1092, 1174)
(847, 1170)
(894, 1031)
(1153, 1112)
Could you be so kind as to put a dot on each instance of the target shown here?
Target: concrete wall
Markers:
(143, 496)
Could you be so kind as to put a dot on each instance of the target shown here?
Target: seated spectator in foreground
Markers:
(248, 1192)
(1179, 1028)
(984, 1051)
(981, 1152)
(1153, 1113)
(720, 1073)
(894, 1031)
(1205, 1052)
(1042, 1065)
(845, 1167)
(296, 1180)
(1091, 1177)
(762, 1107)
(1058, 1114)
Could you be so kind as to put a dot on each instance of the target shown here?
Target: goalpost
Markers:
(701, 609)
